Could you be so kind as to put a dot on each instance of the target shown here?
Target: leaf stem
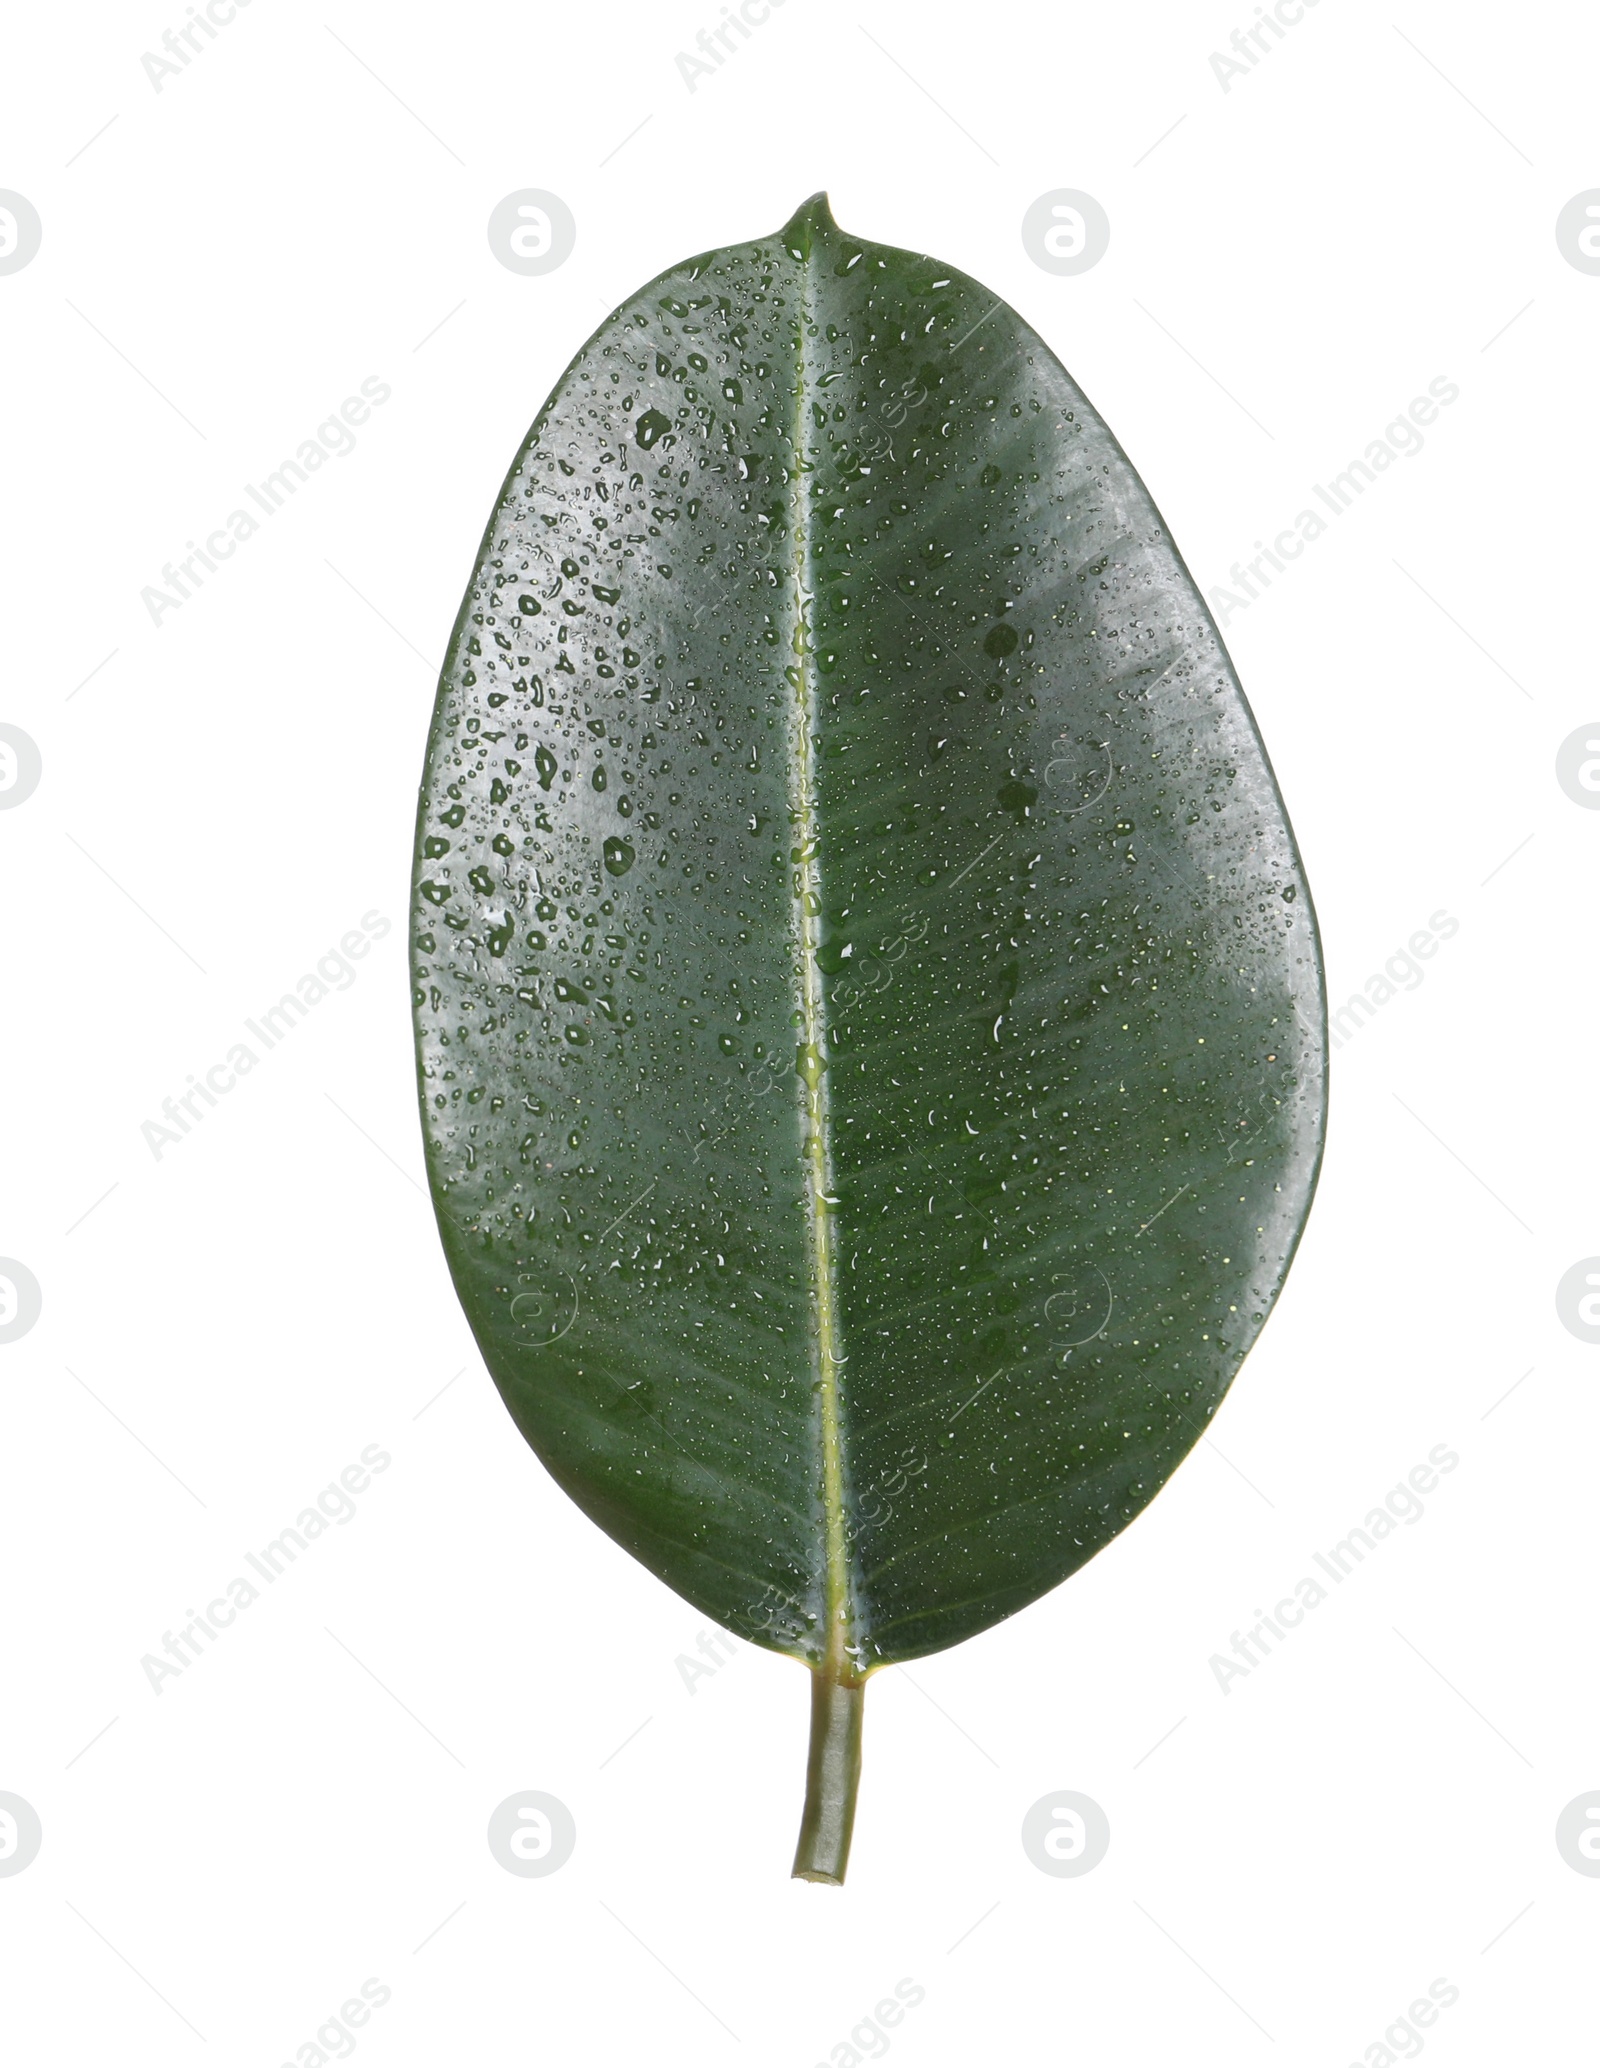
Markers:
(833, 1773)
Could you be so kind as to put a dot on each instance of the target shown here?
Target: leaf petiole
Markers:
(833, 1774)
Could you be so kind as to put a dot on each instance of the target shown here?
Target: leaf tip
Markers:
(811, 223)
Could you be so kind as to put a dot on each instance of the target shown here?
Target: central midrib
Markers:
(818, 1147)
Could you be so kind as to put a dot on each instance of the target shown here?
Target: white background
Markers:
(304, 205)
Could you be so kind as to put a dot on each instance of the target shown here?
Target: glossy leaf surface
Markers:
(868, 1004)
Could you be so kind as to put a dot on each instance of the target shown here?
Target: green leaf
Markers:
(868, 1005)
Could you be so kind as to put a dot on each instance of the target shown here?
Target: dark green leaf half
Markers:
(868, 1004)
